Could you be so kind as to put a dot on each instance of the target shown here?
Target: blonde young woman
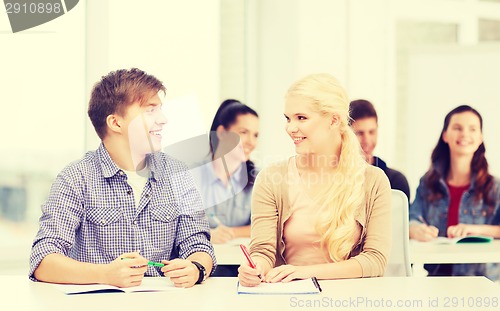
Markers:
(324, 212)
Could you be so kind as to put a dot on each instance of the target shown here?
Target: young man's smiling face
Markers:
(142, 126)
(366, 130)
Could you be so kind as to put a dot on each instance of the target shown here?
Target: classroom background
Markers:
(413, 59)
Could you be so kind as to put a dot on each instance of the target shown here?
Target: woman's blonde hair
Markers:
(341, 202)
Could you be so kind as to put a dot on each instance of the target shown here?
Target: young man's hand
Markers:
(125, 271)
(182, 272)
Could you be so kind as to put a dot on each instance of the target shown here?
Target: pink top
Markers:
(299, 234)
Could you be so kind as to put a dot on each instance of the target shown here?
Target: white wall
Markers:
(41, 81)
(294, 38)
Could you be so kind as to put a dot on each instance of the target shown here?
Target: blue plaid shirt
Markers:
(90, 214)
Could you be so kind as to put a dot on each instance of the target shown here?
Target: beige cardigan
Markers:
(270, 210)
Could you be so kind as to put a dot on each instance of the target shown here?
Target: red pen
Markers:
(247, 255)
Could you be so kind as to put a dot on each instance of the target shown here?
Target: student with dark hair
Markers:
(226, 179)
(458, 196)
(126, 200)
(364, 122)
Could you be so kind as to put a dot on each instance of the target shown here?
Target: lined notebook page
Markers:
(306, 286)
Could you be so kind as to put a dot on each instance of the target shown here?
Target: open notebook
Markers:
(149, 284)
(306, 286)
(465, 239)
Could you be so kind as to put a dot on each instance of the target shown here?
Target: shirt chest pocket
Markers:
(103, 217)
(164, 213)
(105, 230)
(164, 222)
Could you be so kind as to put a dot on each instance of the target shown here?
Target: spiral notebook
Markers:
(306, 286)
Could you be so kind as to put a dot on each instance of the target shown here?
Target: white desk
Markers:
(432, 253)
(230, 253)
(20, 294)
(428, 252)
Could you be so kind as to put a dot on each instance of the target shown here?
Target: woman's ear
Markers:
(444, 137)
(335, 120)
(220, 130)
(114, 123)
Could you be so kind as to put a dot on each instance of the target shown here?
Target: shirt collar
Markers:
(110, 169)
(108, 166)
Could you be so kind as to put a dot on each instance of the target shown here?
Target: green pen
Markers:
(150, 263)
(155, 264)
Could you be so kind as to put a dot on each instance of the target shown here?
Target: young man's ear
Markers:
(114, 123)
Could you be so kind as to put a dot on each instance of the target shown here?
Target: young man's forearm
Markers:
(57, 268)
(204, 259)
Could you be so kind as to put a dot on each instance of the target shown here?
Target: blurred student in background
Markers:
(364, 122)
(458, 196)
(324, 212)
(227, 177)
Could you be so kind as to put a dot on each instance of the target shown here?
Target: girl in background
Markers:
(227, 179)
(458, 196)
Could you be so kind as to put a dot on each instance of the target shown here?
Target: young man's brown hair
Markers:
(118, 90)
(360, 109)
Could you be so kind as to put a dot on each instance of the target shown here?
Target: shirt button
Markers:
(129, 192)
(168, 217)
(103, 221)
(134, 222)
(121, 173)
(147, 195)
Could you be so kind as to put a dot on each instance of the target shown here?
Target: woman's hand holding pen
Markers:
(249, 276)
(423, 232)
(125, 273)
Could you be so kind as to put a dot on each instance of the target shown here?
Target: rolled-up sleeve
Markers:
(193, 233)
(61, 216)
